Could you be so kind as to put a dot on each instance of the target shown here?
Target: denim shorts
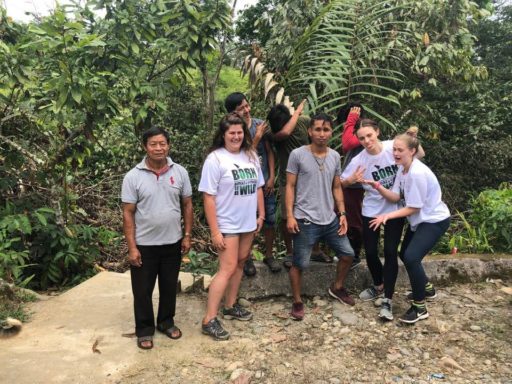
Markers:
(234, 234)
(270, 211)
(310, 233)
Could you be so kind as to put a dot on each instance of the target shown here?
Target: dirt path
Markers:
(470, 325)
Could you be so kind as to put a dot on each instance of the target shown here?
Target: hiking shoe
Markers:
(414, 314)
(341, 295)
(355, 263)
(386, 310)
(249, 268)
(272, 264)
(287, 261)
(215, 330)
(430, 294)
(236, 312)
(371, 293)
(297, 312)
(321, 257)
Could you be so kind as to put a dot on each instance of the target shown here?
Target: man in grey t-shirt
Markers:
(153, 193)
(313, 189)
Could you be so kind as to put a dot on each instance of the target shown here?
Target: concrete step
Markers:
(442, 270)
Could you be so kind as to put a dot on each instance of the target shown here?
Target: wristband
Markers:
(261, 217)
(187, 234)
(376, 185)
(343, 213)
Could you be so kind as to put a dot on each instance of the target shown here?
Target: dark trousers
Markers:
(415, 247)
(388, 273)
(353, 205)
(162, 261)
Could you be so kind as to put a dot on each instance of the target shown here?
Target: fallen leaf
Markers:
(129, 335)
(448, 362)
(95, 347)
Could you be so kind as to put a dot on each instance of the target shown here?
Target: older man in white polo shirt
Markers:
(156, 194)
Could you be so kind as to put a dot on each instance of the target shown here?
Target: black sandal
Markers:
(272, 264)
(321, 257)
(170, 332)
(143, 339)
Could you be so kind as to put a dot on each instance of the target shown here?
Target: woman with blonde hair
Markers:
(418, 194)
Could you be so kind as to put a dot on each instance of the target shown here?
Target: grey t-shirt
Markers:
(158, 199)
(314, 200)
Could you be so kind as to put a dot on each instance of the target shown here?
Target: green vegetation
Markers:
(77, 90)
(12, 302)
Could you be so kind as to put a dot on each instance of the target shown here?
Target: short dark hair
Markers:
(343, 112)
(233, 100)
(154, 131)
(278, 116)
(321, 117)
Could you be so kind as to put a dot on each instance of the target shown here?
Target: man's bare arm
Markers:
(134, 256)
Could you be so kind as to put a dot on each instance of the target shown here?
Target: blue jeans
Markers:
(270, 210)
(310, 233)
(415, 247)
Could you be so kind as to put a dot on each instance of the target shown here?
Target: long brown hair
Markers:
(227, 121)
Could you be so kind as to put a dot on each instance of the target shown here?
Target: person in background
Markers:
(288, 133)
(348, 115)
(237, 102)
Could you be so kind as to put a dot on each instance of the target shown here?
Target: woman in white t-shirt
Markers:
(231, 182)
(376, 163)
(418, 194)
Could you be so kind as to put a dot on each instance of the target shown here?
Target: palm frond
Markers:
(342, 55)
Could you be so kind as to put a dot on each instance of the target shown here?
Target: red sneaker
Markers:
(341, 295)
(297, 312)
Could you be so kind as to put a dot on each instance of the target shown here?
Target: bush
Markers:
(492, 209)
(38, 251)
(487, 227)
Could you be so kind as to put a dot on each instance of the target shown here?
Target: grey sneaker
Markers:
(236, 312)
(215, 330)
(386, 310)
(370, 294)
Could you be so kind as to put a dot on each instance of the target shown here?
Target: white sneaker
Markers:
(386, 310)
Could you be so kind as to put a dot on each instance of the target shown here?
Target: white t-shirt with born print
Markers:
(381, 168)
(419, 188)
(234, 180)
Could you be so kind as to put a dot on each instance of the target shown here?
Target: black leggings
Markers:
(392, 234)
(415, 247)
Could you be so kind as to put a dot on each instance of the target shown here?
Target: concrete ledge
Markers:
(442, 270)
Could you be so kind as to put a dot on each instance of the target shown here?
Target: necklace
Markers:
(320, 164)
